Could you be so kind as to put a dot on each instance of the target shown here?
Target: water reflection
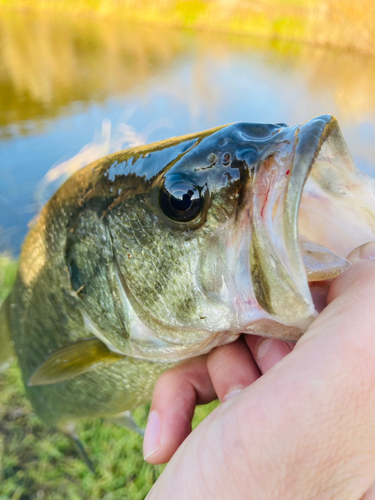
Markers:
(47, 63)
(60, 77)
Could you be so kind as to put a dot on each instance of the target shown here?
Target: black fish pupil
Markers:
(182, 205)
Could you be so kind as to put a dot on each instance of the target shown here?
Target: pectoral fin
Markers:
(73, 360)
(320, 263)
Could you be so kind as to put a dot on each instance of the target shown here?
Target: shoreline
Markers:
(332, 23)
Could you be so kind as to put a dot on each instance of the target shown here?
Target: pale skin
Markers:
(293, 424)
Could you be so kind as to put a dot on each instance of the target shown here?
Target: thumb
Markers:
(350, 313)
(332, 372)
(362, 263)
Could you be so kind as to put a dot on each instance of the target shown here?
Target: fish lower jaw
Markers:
(279, 328)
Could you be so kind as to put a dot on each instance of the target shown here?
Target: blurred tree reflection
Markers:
(49, 62)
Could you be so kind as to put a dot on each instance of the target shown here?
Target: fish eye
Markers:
(181, 202)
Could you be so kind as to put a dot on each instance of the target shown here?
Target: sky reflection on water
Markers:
(56, 92)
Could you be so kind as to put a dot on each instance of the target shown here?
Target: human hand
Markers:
(303, 430)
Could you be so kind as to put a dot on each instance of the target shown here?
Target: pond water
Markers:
(73, 83)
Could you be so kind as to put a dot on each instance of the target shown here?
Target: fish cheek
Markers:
(154, 262)
(92, 270)
(158, 265)
(212, 267)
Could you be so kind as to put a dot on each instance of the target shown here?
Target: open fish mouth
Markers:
(318, 208)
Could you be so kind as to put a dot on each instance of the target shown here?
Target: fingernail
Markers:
(269, 352)
(364, 252)
(151, 442)
(263, 347)
(367, 251)
(231, 394)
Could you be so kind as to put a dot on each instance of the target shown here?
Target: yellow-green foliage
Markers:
(342, 23)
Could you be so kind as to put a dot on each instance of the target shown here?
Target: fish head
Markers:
(214, 235)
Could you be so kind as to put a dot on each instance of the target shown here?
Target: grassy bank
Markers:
(8, 270)
(339, 23)
(36, 462)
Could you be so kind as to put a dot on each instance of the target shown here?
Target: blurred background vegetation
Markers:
(340, 23)
(82, 78)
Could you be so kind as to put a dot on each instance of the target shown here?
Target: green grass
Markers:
(8, 270)
(37, 462)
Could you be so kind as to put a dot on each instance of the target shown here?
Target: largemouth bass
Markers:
(159, 253)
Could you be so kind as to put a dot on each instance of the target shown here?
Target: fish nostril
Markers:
(212, 158)
(226, 159)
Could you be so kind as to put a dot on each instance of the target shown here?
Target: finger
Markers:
(176, 394)
(340, 343)
(353, 290)
(267, 352)
(319, 291)
(370, 495)
(361, 255)
(231, 368)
